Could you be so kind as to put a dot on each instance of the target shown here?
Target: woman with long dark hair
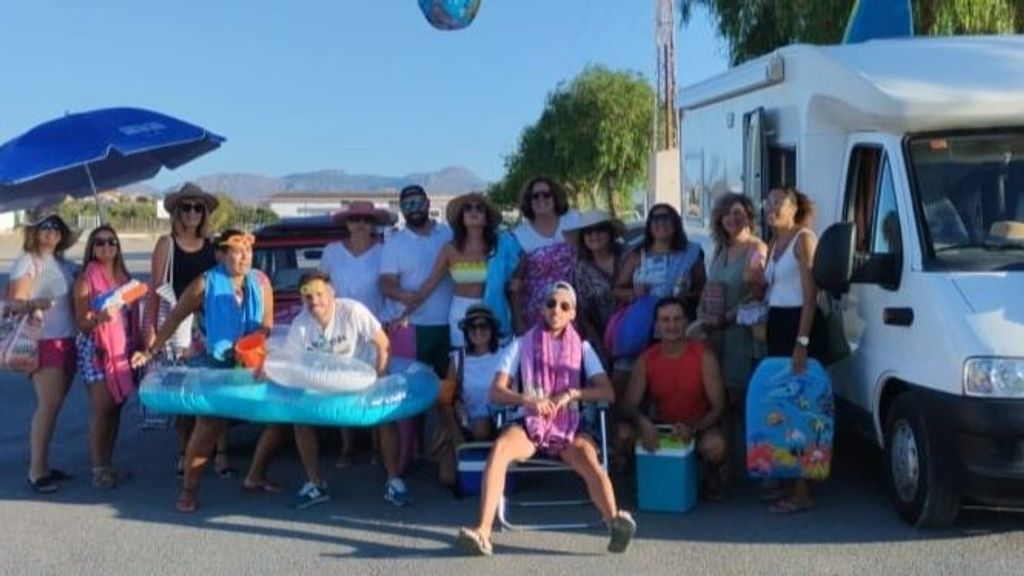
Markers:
(105, 343)
(480, 260)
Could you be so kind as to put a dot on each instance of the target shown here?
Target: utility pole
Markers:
(664, 167)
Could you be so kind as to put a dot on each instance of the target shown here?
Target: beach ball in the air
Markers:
(450, 14)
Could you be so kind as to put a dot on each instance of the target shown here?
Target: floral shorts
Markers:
(87, 364)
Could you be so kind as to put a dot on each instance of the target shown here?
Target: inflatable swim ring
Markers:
(318, 371)
(409, 389)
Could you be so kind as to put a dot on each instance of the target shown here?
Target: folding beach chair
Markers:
(593, 421)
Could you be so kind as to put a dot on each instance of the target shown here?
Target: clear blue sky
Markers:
(366, 86)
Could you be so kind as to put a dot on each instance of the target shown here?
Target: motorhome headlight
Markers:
(994, 377)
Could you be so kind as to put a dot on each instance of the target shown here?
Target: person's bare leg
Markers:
(388, 437)
(270, 440)
(200, 446)
(511, 446)
(309, 453)
(51, 386)
(581, 456)
(102, 428)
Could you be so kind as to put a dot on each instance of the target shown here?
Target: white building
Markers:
(291, 204)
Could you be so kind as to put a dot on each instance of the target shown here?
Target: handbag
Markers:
(831, 316)
(182, 338)
(19, 342)
(712, 307)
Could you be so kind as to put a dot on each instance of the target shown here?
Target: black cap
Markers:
(412, 190)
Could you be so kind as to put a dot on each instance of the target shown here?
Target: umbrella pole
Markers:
(99, 205)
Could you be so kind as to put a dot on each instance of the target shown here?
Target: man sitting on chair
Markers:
(548, 358)
(682, 384)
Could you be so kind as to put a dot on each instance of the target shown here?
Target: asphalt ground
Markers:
(134, 527)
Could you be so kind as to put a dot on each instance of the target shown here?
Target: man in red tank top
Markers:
(679, 383)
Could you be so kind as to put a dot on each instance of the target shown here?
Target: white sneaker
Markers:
(396, 492)
(311, 495)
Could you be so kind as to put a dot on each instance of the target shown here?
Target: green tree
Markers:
(756, 27)
(594, 137)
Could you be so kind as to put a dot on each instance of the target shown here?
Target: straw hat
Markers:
(592, 218)
(68, 236)
(190, 190)
(454, 209)
(365, 208)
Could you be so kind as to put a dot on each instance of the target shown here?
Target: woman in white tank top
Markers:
(792, 293)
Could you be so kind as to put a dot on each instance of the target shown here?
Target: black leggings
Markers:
(784, 327)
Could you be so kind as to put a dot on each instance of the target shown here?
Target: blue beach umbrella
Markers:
(84, 153)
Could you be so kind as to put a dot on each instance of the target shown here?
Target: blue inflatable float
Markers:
(409, 389)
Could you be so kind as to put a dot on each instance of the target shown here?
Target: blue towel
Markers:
(501, 265)
(227, 320)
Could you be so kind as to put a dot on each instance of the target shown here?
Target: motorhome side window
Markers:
(970, 190)
(871, 202)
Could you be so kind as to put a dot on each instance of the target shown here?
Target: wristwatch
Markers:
(804, 341)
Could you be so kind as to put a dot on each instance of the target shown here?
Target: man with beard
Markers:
(406, 263)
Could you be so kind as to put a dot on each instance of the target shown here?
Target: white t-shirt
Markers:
(531, 240)
(477, 377)
(510, 361)
(355, 277)
(411, 257)
(57, 278)
(349, 332)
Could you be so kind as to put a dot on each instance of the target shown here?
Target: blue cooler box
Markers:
(666, 480)
(471, 458)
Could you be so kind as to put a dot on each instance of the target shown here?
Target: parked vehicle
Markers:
(286, 249)
(913, 152)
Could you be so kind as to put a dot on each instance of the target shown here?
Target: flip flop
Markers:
(41, 485)
(786, 507)
(473, 543)
(265, 486)
(225, 471)
(60, 476)
(622, 528)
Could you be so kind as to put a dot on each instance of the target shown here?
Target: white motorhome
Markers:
(913, 152)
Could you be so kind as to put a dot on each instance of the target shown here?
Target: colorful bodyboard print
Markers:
(790, 421)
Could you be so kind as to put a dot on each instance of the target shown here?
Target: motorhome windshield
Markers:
(970, 187)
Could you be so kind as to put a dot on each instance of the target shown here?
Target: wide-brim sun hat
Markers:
(190, 190)
(364, 208)
(454, 210)
(69, 236)
(592, 218)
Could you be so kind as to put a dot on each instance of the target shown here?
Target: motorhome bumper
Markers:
(986, 441)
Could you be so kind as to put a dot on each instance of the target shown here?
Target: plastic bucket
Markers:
(251, 351)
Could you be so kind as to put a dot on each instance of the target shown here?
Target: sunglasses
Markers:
(565, 306)
(51, 225)
(544, 194)
(413, 204)
(101, 242)
(362, 219)
(198, 208)
(662, 217)
(474, 207)
(478, 326)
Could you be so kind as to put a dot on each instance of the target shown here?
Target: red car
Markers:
(286, 249)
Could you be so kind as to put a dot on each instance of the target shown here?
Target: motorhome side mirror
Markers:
(833, 260)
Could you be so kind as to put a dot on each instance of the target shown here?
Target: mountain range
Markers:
(250, 188)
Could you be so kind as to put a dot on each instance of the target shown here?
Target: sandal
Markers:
(265, 486)
(221, 465)
(473, 543)
(42, 485)
(60, 476)
(104, 478)
(622, 528)
(187, 502)
(787, 506)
